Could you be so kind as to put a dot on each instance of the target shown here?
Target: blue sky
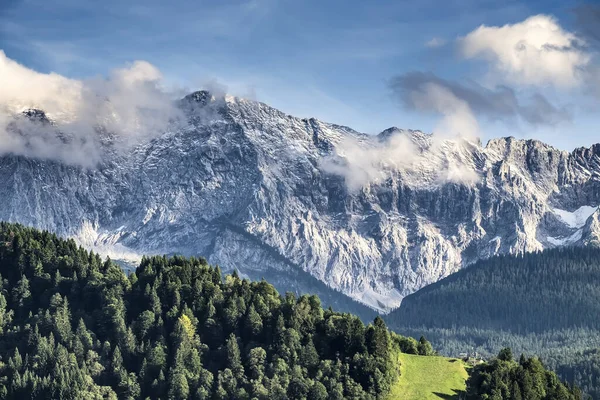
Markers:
(330, 59)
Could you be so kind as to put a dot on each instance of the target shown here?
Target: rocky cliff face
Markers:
(250, 187)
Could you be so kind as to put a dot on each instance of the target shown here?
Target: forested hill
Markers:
(533, 293)
(75, 327)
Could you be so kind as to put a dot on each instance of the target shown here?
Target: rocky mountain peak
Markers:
(201, 97)
(36, 115)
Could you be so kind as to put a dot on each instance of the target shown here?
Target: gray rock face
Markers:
(250, 187)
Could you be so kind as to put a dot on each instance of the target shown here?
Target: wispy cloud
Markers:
(419, 159)
(435, 42)
(225, 20)
(363, 163)
(499, 103)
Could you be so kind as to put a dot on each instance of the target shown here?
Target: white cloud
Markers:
(435, 42)
(428, 160)
(25, 88)
(537, 51)
(460, 173)
(362, 163)
(130, 104)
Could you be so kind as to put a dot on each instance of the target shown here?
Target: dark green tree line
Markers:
(74, 326)
(528, 379)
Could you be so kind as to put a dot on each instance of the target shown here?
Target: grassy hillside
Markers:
(425, 378)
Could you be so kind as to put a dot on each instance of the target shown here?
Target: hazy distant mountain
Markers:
(375, 217)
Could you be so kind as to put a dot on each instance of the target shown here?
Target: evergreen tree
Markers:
(424, 348)
(234, 359)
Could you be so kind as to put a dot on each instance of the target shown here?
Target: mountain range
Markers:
(304, 202)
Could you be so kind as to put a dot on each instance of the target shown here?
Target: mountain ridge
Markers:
(374, 217)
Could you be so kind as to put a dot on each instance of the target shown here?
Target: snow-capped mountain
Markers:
(375, 217)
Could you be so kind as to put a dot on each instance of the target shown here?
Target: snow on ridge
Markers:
(105, 244)
(577, 218)
(566, 240)
(378, 301)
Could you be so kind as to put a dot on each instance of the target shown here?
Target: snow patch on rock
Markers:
(577, 218)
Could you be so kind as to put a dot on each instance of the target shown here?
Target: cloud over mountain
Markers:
(128, 105)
